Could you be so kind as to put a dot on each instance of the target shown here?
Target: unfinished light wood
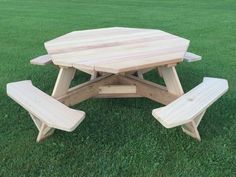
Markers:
(171, 79)
(63, 81)
(189, 109)
(191, 57)
(117, 86)
(86, 90)
(47, 112)
(117, 89)
(41, 60)
(117, 50)
(140, 74)
(159, 71)
(149, 89)
(94, 75)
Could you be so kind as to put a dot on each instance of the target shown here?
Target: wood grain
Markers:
(48, 110)
(186, 108)
(117, 50)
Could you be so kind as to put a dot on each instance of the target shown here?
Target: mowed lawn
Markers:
(119, 137)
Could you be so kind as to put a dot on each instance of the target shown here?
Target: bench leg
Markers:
(191, 130)
(191, 127)
(44, 132)
(174, 86)
(37, 122)
(61, 87)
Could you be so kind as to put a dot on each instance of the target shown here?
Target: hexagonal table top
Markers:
(116, 49)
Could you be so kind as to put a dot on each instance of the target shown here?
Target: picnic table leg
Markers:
(171, 79)
(173, 85)
(61, 87)
(64, 79)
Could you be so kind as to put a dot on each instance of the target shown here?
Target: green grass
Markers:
(119, 137)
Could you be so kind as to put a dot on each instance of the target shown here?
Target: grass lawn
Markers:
(119, 137)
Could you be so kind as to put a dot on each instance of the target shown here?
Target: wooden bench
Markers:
(47, 113)
(189, 109)
(191, 57)
(41, 60)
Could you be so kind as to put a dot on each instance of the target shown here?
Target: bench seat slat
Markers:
(191, 57)
(191, 104)
(41, 60)
(44, 107)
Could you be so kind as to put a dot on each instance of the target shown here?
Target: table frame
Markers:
(122, 85)
(116, 86)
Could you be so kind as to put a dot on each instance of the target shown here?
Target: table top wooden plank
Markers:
(123, 49)
(94, 33)
(103, 41)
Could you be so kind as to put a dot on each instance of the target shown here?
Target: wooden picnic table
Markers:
(116, 58)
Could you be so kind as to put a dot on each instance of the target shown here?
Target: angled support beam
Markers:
(171, 79)
(191, 130)
(37, 122)
(62, 85)
(191, 127)
(86, 90)
(149, 89)
(174, 86)
(44, 132)
(63, 81)
(117, 86)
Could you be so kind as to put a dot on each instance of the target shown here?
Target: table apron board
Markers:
(122, 85)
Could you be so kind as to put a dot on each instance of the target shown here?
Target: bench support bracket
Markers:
(191, 127)
(44, 132)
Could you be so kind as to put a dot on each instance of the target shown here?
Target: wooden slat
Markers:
(105, 40)
(135, 65)
(113, 53)
(41, 60)
(186, 108)
(48, 110)
(121, 50)
(191, 57)
(117, 89)
(121, 59)
(120, 95)
(93, 33)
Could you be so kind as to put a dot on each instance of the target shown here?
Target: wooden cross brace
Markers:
(115, 86)
(44, 130)
(191, 127)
